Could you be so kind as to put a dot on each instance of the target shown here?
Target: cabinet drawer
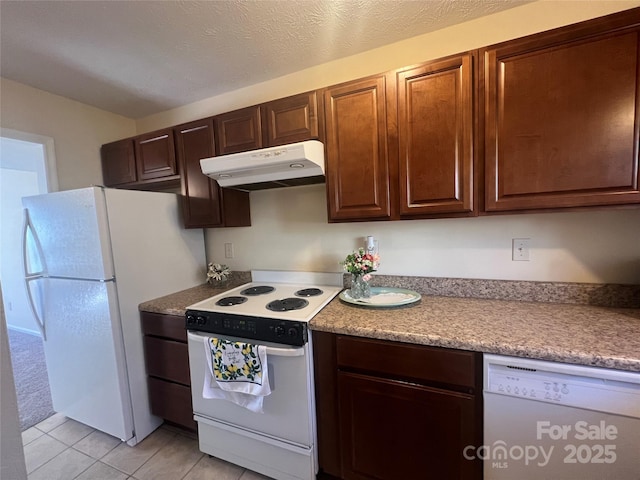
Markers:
(167, 359)
(410, 362)
(168, 326)
(171, 402)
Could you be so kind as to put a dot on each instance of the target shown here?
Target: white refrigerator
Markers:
(91, 256)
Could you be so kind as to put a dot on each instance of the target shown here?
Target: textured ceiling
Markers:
(137, 58)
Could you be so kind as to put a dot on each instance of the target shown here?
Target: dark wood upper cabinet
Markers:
(155, 155)
(292, 119)
(435, 137)
(561, 117)
(356, 148)
(118, 162)
(144, 162)
(286, 120)
(205, 204)
(239, 131)
(548, 121)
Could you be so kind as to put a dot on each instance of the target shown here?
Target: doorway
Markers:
(27, 167)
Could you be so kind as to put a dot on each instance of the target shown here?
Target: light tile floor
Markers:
(59, 448)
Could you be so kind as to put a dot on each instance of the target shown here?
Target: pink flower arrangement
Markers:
(361, 263)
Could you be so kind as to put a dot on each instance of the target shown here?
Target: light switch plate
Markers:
(520, 249)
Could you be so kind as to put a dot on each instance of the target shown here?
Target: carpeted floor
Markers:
(30, 375)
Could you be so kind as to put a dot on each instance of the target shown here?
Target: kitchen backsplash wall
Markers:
(290, 232)
(596, 294)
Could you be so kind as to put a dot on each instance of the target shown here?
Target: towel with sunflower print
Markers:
(236, 372)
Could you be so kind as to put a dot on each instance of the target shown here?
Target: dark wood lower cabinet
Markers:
(394, 429)
(401, 422)
(168, 401)
(167, 363)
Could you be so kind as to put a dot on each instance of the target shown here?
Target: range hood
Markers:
(287, 165)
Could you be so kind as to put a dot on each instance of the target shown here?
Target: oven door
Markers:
(288, 410)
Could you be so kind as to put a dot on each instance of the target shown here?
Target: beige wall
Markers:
(516, 22)
(290, 228)
(78, 130)
(12, 462)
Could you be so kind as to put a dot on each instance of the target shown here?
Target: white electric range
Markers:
(273, 310)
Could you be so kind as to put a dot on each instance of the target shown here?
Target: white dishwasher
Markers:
(547, 420)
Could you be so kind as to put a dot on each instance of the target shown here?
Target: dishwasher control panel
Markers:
(517, 384)
(598, 389)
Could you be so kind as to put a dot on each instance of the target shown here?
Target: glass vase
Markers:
(360, 288)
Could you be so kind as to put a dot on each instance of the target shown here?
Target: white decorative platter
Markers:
(382, 297)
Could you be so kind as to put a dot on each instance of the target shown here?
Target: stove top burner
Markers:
(309, 292)
(287, 304)
(257, 290)
(229, 301)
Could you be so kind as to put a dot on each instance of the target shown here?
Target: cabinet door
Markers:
(562, 117)
(118, 162)
(435, 136)
(155, 155)
(205, 204)
(393, 430)
(357, 157)
(201, 194)
(239, 131)
(291, 119)
(327, 415)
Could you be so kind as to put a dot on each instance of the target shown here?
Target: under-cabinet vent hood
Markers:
(287, 165)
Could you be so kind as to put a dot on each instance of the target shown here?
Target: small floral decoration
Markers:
(361, 263)
(217, 271)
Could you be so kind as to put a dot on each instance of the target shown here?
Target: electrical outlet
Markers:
(371, 245)
(520, 250)
(228, 250)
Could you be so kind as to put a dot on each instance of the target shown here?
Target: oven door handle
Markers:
(285, 352)
(274, 351)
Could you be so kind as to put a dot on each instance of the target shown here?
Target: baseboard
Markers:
(24, 330)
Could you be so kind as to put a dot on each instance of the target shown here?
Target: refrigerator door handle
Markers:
(26, 227)
(30, 276)
(39, 321)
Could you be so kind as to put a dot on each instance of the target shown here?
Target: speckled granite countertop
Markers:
(176, 303)
(580, 334)
(564, 332)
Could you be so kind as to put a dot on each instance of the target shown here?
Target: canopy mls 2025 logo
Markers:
(500, 453)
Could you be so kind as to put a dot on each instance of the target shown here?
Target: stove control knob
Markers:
(201, 320)
(292, 332)
(279, 331)
(191, 319)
